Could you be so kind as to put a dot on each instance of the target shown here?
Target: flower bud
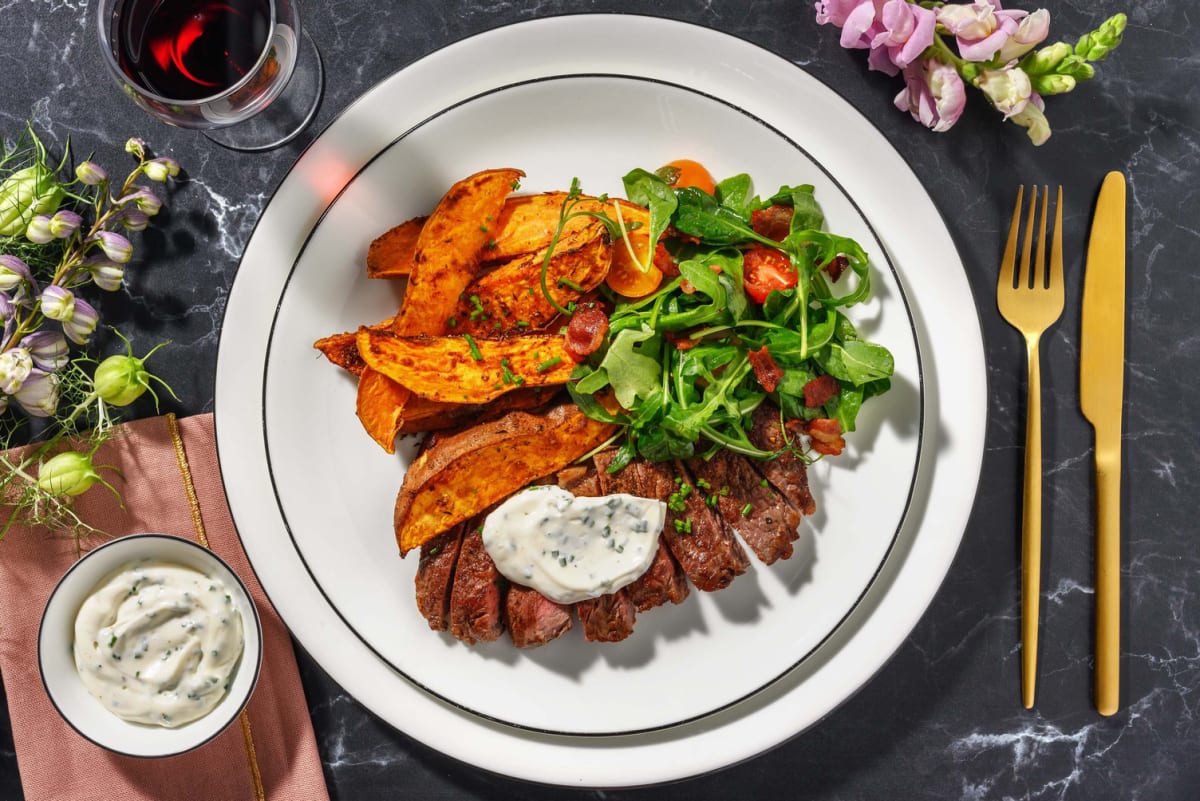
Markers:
(161, 169)
(68, 473)
(6, 308)
(38, 395)
(1096, 46)
(121, 379)
(91, 173)
(82, 323)
(25, 193)
(1033, 120)
(58, 303)
(1053, 84)
(106, 274)
(115, 247)
(48, 349)
(136, 146)
(134, 220)
(16, 365)
(146, 201)
(64, 224)
(1046, 59)
(38, 231)
(13, 272)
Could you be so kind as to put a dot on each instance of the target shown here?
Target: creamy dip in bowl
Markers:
(150, 645)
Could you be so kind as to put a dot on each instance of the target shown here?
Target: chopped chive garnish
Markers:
(475, 354)
(549, 363)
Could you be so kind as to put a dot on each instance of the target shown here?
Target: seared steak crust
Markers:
(609, 618)
(477, 596)
(749, 505)
(787, 473)
(435, 577)
(663, 581)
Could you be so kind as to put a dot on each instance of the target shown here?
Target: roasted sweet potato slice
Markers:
(509, 297)
(494, 460)
(423, 415)
(380, 405)
(390, 255)
(462, 369)
(448, 250)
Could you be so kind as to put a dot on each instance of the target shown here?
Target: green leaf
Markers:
(631, 374)
(699, 215)
(647, 189)
(736, 193)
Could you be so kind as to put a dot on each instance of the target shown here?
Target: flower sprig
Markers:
(993, 50)
(62, 232)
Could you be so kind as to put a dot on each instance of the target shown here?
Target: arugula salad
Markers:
(756, 313)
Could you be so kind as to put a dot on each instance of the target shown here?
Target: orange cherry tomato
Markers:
(625, 276)
(685, 172)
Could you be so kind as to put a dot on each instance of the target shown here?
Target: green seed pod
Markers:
(121, 379)
(26, 193)
(68, 473)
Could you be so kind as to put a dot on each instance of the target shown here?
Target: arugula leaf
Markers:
(649, 190)
(855, 361)
(699, 215)
(736, 193)
(630, 373)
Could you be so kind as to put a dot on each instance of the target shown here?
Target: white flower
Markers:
(38, 396)
(58, 303)
(1008, 89)
(15, 366)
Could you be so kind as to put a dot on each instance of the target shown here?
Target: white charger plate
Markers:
(590, 96)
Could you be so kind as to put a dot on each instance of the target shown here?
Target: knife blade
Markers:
(1101, 395)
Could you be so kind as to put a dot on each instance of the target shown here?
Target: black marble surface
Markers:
(943, 719)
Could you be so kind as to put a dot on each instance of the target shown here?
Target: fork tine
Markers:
(1008, 263)
(1056, 257)
(1025, 277)
(1040, 279)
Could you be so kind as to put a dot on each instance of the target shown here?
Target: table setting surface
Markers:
(942, 718)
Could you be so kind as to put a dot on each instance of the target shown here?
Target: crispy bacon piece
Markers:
(818, 391)
(586, 331)
(766, 370)
(826, 436)
(773, 222)
(835, 267)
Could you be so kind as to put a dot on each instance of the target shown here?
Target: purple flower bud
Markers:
(145, 200)
(64, 224)
(58, 303)
(134, 220)
(82, 323)
(38, 395)
(161, 169)
(15, 367)
(136, 146)
(13, 272)
(38, 231)
(106, 274)
(115, 247)
(91, 173)
(48, 349)
(6, 308)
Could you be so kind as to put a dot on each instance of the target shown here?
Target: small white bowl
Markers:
(56, 659)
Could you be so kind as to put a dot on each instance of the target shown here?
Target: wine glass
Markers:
(241, 71)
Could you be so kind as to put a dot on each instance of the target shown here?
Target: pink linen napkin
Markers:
(169, 482)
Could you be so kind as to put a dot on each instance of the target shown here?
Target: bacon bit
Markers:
(773, 222)
(818, 391)
(679, 341)
(586, 331)
(687, 287)
(766, 370)
(673, 233)
(826, 436)
(835, 267)
(664, 262)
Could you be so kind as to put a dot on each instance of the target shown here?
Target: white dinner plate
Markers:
(697, 686)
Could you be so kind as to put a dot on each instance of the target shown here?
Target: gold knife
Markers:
(1101, 391)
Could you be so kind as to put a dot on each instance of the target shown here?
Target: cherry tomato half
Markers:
(765, 270)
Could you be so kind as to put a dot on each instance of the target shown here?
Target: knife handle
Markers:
(1108, 573)
(1031, 526)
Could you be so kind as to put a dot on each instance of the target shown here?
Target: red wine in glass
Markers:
(190, 50)
(239, 70)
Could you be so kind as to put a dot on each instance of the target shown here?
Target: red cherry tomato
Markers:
(765, 270)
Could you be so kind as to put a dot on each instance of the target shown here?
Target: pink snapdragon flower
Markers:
(933, 94)
(1031, 32)
(980, 29)
(907, 31)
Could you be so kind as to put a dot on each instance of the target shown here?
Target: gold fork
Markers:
(1031, 302)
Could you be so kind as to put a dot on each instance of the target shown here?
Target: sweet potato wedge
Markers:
(509, 298)
(390, 255)
(423, 415)
(448, 250)
(380, 406)
(461, 369)
(494, 460)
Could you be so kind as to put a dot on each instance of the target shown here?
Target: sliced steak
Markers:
(609, 618)
(663, 581)
(787, 473)
(709, 555)
(580, 480)
(435, 577)
(748, 504)
(477, 598)
(533, 619)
